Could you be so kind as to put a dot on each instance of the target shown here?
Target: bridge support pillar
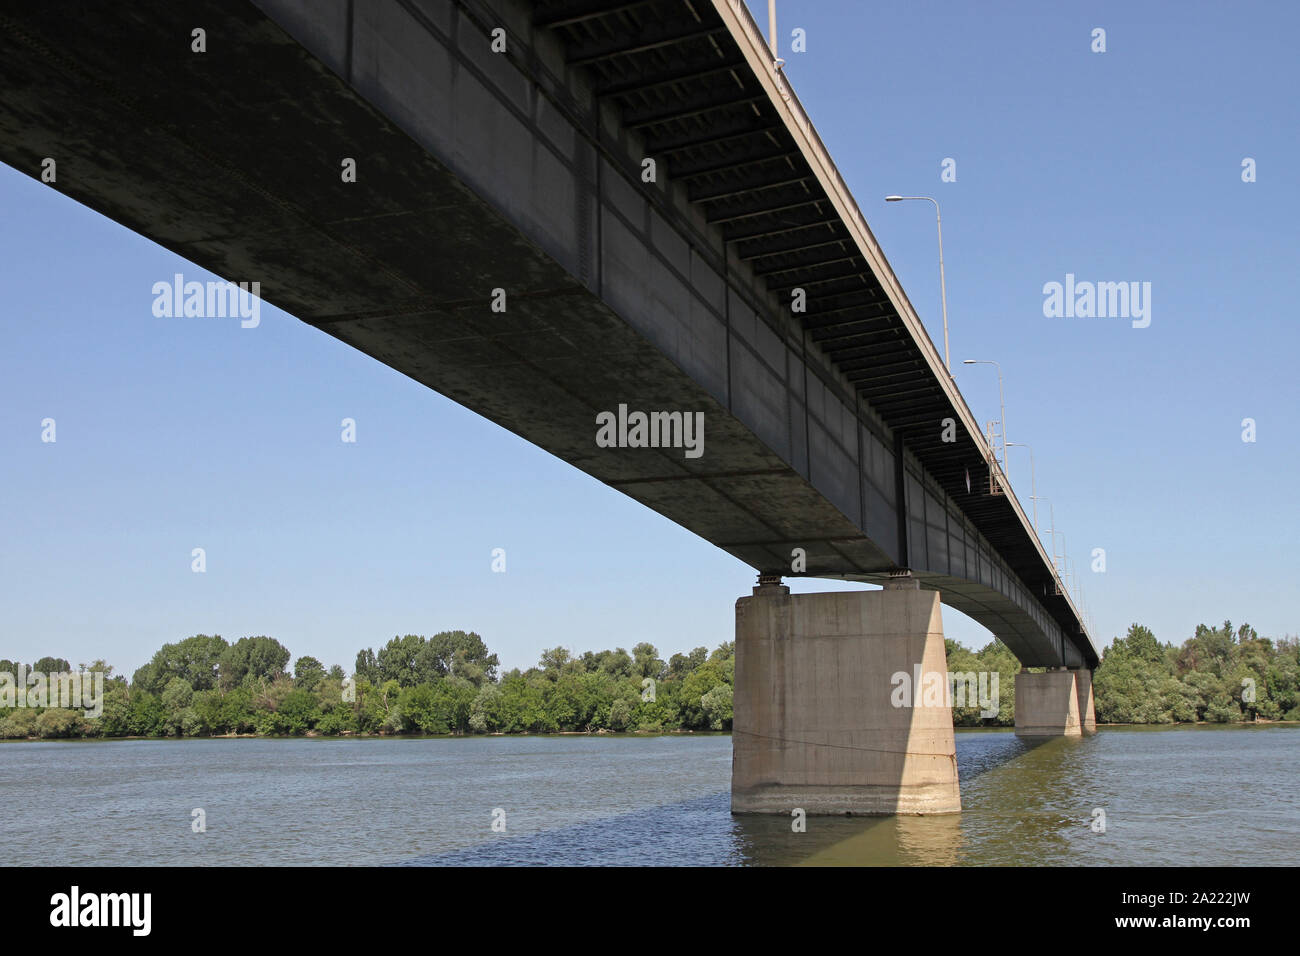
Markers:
(1087, 713)
(840, 704)
(1056, 703)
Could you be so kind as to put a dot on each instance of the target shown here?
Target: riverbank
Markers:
(312, 735)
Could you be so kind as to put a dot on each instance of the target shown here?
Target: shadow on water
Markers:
(702, 832)
(983, 750)
(1035, 810)
(691, 833)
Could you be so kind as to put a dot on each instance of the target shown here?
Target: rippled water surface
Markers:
(1171, 796)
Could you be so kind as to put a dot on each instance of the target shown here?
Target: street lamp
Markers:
(1002, 401)
(943, 287)
(1051, 530)
(1064, 575)
(1033, 482)
(1051, 510)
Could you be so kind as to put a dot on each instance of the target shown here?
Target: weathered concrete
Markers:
(1047, 704)
(816, 726)
(1083, 690)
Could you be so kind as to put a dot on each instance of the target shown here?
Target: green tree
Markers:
(485, 709)
(206, 711)
(420, 710)
(399, 660)
(115, 721)
(59, 722)
(308, 672)
(554, 661)
(1209, 650)
(296, 713)
(251, 660)
(646, 662)
(1140, 644)
(367, 668)
(176, 699)
(19, 724)
(617, 663)
(716, 705)
(462, 654)
(237, 713)
(147, 714)
(697, 687)
(680, 665)
(195, 660)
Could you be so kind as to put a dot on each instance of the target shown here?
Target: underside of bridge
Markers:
(524, 170)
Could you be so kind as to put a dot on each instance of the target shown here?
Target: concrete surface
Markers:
(816, 726)
(1047, 704)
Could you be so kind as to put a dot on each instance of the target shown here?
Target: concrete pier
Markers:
(1057, 703)
(821, 720)
(1083, 691)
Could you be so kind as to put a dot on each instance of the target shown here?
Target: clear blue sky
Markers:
(1119, 166)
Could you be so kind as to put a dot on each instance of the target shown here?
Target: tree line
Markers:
(445, 684)
(449, 684)
(1220, 675)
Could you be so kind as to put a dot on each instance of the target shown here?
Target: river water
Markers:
(1171, 796)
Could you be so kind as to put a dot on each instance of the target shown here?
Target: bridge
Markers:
(566, 215)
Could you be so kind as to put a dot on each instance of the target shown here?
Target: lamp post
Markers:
(1063, 574)
(1033, 482)
(1002, 401)
(1051, 510)
(1052, 530)
(943, 286)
